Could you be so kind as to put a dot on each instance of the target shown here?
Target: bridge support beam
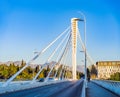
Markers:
(74, 27)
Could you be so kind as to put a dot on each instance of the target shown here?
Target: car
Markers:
(51, 79)
(41, 80)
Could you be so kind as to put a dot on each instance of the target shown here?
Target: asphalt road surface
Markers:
(64, 89)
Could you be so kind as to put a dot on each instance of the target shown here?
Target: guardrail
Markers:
(21, 85)
(113, 86)
(83, 94)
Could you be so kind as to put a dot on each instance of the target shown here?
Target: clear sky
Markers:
(26, 25)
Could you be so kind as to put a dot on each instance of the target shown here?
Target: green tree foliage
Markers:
(79, 75)
(8, 71)
(88, 74)
(12, 69)
(69, 74)
(59, 70)
(23, 63)
(29, 73)
(53, 72)
(37, 69)
(4, 71)
(115, 76)
(93, 72)
(42, 74)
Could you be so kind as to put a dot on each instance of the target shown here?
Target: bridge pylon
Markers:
(74, 27)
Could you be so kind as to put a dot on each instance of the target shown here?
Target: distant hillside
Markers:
(18, 63)
(80, 68)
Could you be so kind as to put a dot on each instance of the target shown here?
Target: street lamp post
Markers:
(85, 48)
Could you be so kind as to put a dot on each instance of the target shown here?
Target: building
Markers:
(107, 68)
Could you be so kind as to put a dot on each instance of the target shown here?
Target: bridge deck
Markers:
(64, 89)
(94, 90)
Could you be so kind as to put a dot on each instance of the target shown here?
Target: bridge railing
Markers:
(113, 86)
(22, 85)
(83, 89)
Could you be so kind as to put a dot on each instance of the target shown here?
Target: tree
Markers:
(88, 74)
(59, 70)
(37, 69)
(41, 74)
(1, 71)
(69, 74)
(29, 69)
(53, 72)
(12, 69)
(93, 72)
(47, 71)
(79, 75)
(5, 73)
(22, 63)
(115, 76)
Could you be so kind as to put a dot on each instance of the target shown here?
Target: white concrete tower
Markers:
(74, 27)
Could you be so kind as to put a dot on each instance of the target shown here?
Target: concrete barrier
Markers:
(113, 86)
(83, 94)
(21, 85)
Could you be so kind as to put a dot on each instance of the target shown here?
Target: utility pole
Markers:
(85, 48)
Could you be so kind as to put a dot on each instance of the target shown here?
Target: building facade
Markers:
(107, 68)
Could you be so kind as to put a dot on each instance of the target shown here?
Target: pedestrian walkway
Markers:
(95, 90)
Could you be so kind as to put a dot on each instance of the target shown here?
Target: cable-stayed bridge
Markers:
(64, 51)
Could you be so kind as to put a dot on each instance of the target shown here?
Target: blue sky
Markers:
(26, 25)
